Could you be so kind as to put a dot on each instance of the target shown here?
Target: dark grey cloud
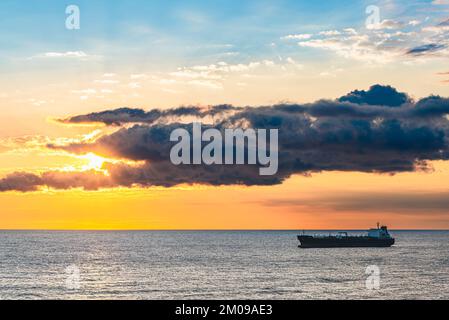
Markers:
(26, 182)
(432, 106)
(148, 174)
(377, 95)
(357, 132)
(116, 117)
(367, 104)
(444, 23)
(21, 181)
(425, 49)
(129, 115)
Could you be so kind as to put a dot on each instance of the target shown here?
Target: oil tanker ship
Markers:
(375, 238)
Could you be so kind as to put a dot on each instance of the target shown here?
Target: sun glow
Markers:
(93, 161)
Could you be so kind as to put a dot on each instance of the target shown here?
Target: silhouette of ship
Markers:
(375, 238)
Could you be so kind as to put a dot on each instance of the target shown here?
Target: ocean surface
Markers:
(216, 265)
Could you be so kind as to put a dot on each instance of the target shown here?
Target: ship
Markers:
(377, 237)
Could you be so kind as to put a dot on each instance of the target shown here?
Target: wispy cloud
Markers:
(297, 36)
(386, 24)
(387, 41)
(78, 55)
(391, 202)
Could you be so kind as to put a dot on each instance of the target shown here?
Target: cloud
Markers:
(129, 115)
(79, 55)
(427, 48)
(414, 22)
(107, 81)
(20, 181)
(27, 182)
(398, 202)
(213, 76)
(374, 47)
(330, 33)
(445, 23)
(384, 42)
(377, 95)
(215, 72)
(439, 30)
(386, 24)
(297, 36)
(379, 130)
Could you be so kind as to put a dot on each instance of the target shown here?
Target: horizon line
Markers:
(204, 230)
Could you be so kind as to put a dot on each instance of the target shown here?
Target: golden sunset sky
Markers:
(188, 53)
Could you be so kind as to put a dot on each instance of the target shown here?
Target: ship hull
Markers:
(344, 242)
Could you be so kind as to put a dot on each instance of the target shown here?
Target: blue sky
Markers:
(166, 31)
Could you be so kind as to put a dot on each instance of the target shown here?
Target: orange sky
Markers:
(300, 203)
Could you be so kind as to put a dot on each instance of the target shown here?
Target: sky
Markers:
(357, 89)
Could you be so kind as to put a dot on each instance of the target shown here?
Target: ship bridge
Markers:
(380, 233)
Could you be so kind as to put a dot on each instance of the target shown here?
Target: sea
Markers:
(265, 265)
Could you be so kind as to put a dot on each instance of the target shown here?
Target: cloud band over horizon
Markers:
(379, 130)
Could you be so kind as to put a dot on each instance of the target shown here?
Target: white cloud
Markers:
(104, 81)
(388, 41)
(80, 55)
(438, 29)
(217, 71)
(212, 76)
(330, 33)
(351, 31)
(385, 24)
(357, 47)
(303, 36)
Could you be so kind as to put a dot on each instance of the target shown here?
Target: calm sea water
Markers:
(216, 265)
